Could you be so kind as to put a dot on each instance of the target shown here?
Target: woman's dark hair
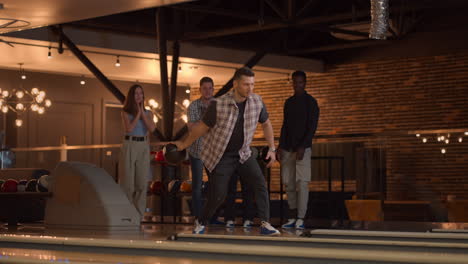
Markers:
(130, 105)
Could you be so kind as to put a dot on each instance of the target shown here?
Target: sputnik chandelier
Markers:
(21, 100)
(443, 137)
(180, 111)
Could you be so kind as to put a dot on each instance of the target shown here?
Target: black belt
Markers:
(133, 138)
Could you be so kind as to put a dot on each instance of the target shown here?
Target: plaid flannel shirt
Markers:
(195, 112)
(218, 137)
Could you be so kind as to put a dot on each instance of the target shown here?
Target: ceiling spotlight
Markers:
(117, 62)
(49, 54)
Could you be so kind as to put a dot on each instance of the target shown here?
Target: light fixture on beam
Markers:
(49, 54)
(117, 62)
(22, 73)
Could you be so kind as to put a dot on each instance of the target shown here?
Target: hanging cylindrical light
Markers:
(379, 18)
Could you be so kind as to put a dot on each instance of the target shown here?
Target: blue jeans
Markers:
(196, 166)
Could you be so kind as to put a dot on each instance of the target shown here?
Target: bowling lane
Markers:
(37, 256)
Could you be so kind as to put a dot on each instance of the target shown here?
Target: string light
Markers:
(443, 151)
(418, 135)
(187, 91)
(424, 140)
(460, 139)
(82, 82)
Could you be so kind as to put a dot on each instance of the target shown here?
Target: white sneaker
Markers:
(230, 224)
(199, 228)
(300, 224)
(290, 224)
(267, 229)
(248, 223)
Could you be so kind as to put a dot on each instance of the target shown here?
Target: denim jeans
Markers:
(197, 179)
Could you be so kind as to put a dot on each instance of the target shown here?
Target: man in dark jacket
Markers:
(301, 114)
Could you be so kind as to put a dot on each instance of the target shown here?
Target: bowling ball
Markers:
(172, 155)
(156, 187)
(21, 186)
(173, 186)
(254, 152)
(160, 156)
(10, 185)
(38, 173)
(205, 186)
(31, 185)
(186, 187)
(264, 153)
(43, 183)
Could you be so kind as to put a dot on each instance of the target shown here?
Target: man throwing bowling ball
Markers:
(228, 127)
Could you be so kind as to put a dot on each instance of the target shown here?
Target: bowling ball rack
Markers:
(14, 205)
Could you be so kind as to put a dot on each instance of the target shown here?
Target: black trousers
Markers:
(221, 176)
(248, 200)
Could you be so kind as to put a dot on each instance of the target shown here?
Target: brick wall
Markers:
(388, 98)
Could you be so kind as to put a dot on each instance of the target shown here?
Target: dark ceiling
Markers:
(305, 28)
